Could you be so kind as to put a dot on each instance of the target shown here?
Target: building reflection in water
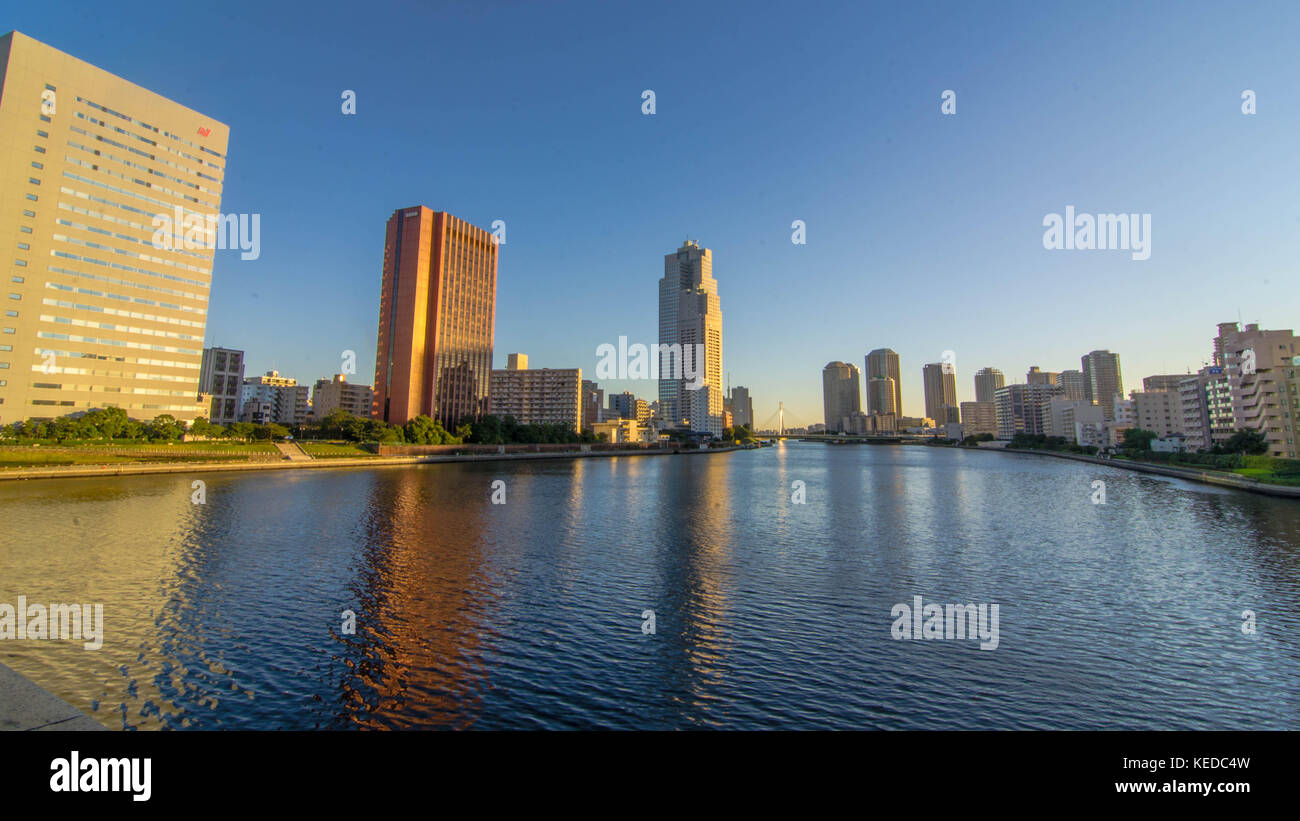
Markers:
(422, 599)
(695, 567)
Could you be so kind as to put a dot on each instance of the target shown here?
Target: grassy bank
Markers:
(45, 455)
(333, 450)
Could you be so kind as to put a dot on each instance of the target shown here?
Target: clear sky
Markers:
(924, 231)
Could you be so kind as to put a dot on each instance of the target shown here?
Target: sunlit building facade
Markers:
(97, 313)
(437, 313)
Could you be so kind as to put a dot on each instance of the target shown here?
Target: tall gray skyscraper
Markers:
(882, 363)
(987, 382)
(940, 382)
(690, 315)
(841, 393)
(1102, 380)
(742, 407)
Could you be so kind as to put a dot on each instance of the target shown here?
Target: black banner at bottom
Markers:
(234, 770)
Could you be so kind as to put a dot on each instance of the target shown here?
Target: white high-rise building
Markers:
(690, 315)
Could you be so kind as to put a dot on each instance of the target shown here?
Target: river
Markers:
(768, 611)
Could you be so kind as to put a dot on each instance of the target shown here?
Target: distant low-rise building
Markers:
(626, 405)
(620, 430)
(334, 394)
(1169, 444)
(593, 404)
(979, 417)
(272, 398)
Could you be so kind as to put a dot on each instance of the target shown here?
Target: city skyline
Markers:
(322, 261)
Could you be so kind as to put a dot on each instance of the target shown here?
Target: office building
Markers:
(547, 396)
(593, 403)
(221, 376)
(742, 407)
(940, 383)
(1102, 380)
(979, 417)
(334, 394)
(987, 382)
(104, 308)
(690, 314)
(1061, 416)
(437, 311)
(882, 363)
(841, 393)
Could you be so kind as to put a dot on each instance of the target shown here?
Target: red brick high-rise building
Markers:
(437, 313)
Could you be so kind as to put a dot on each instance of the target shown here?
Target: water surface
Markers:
(769, 614)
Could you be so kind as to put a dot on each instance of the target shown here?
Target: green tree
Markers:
(422, 430)
(110, 421)
(164, 428)
(243, 431)
(1138, 440)
(202, 427)
(1246, 441)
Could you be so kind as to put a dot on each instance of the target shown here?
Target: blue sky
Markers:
(924, 231)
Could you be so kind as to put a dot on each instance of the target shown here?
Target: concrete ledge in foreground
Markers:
(24, 705)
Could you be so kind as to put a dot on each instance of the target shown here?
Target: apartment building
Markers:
(535, 397)
(334, 394)
(221, 376)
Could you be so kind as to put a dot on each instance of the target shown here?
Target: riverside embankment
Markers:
(1208, 477)
(435, 454)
